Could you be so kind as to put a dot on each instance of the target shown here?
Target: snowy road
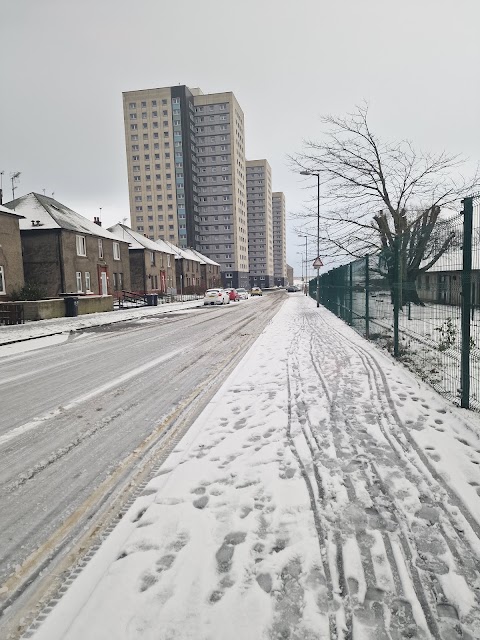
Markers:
(79, 415)
(323, 493)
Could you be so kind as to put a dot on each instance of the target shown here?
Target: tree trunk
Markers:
(409, 290)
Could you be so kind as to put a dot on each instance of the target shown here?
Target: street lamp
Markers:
(306, 265)
(316, 173)
(299, 253)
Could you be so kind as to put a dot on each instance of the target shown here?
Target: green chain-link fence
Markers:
(429, 320)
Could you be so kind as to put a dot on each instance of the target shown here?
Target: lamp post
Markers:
(317, 174)
(306, 266)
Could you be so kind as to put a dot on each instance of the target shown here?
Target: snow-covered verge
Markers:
(323, 493)
(42, 328)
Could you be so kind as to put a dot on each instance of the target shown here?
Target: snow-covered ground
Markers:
(323, 493)
(429, 340)
(42, 328)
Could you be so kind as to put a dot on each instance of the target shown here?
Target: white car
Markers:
(216, 296)
(243, 293)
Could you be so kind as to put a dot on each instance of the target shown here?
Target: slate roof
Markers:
(10, 212)
(180, 253)
(137, 240)
(52, 214)
(203, 258)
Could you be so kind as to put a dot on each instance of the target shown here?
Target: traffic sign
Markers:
(317, 263)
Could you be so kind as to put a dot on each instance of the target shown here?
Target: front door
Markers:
(103, 281)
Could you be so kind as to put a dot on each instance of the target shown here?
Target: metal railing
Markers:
(429, 320)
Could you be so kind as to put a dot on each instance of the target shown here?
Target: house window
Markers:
(100, 248)
(81, 246)
(116, 251)
(2, 281)
(168, 261)
(79, 280)
(152, 257)
(87, 281)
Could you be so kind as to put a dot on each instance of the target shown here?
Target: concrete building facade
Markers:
(11, 262)
(289, 274)
(222, 184)
(162, 164)
(260, 223)
(186, 173)
(279, 240)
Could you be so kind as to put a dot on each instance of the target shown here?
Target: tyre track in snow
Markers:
(323, 555)
(436, 607)
(371, 615)
(425, 594)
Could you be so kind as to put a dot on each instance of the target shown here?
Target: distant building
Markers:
(186, 173)
(221, 184)
(289, 274)
(11, 263)
(152, 264)
(162, 164)
(260, 223)
(64, 252)
(280, 276)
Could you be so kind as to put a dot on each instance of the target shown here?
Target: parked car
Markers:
(292, 288)
(243, 293)
(233, 295)
(256, 291)
(216, 296)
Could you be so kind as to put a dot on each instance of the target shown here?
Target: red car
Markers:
(233, 295)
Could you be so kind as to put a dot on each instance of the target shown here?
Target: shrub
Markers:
(29, 291)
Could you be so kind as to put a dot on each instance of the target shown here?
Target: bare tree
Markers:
(382, 196)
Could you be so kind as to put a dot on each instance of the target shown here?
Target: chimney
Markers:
(96, 220)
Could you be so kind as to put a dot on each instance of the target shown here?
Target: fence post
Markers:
(466, 301)
(350, 296)
(367, 298)
(396, 293)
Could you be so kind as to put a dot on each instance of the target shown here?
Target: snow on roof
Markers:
(180, 253)
(204, 258)
(452, 260)
(136, 240)
(10, 212)
(191, 255)
(52, 214)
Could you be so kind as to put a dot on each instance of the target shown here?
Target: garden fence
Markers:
(431, 321)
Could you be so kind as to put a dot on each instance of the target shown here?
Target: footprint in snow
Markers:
(224, 554)
(201, 502)
(147, 580)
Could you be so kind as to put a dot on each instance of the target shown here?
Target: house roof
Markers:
(10, 212)
(204, 259)
(180, 253)
(52, 214)
(136, 240)
(452, 260)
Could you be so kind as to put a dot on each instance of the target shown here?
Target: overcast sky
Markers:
(65, 63)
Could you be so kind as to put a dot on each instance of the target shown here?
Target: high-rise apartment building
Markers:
(162, 164)
(279, 240)
(222, 184)
(186, 173)
(260, 223)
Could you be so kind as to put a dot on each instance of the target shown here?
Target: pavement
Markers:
(55, 326)
(324, 492)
